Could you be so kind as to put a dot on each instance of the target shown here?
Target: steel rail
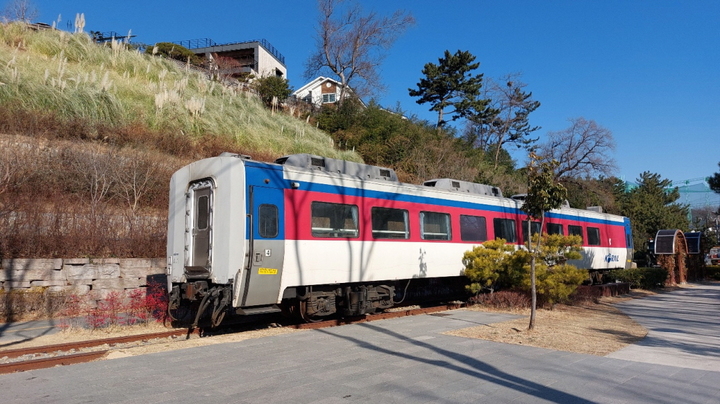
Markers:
(373, 317)
(69, 346)
(42, 363)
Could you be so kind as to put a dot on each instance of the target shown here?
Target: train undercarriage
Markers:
(203, 304)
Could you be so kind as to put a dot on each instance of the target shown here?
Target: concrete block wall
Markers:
(81, 276)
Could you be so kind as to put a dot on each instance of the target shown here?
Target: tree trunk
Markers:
(533, 289)
(533, 293)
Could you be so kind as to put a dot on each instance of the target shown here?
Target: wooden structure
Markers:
(671, 248)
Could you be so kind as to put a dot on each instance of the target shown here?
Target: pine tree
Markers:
(652, 206)
(451, 87)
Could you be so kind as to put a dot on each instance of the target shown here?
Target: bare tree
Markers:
(583, 150)
(18, 159)
(94, 168)
(351, 45)
(20, 10)
(134, 176)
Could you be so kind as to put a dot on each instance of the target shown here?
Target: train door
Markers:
(266, 235)
(199, 228)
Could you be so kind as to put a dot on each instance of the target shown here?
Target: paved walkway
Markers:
(394, 361)
(684, 328)
(14, 333)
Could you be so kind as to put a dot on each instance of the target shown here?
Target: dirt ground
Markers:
(592, 328)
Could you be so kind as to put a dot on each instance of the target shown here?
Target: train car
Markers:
(316, 236)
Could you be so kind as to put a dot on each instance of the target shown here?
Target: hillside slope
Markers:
(90, 134)
(74, 81)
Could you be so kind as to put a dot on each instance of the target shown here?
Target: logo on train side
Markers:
(612, 258)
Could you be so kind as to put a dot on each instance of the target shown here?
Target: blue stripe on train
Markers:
(336, 189)
(258, 171)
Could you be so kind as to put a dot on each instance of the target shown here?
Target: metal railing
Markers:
(207, 43)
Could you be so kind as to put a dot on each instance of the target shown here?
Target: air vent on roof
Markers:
(240, 156)
(330, 165)
(317, 162)
(564, 204)
(463, 186)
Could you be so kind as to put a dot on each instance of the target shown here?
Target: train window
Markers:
(505, 229)
(390, 223)
(203, 212)
(435, 226)
(575, 231)
(534, 229)
(473, 228)
(555, 228)
(593, 234)
(334, 220)
(268, 221)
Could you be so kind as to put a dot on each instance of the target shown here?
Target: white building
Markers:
(258, 58)
(322, 90)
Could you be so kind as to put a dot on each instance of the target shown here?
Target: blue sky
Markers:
(648, 70)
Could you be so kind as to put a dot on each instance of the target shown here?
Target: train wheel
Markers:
(182, 314)
(304, 315)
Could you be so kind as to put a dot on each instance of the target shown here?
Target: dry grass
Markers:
(592, 328)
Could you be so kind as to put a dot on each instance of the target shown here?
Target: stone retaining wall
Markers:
(81, 276)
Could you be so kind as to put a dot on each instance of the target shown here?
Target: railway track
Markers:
(40, 357)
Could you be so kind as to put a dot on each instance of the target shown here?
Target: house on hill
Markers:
(257, 57)
(322, 90)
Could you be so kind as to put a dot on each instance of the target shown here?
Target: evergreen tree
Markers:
(714, 181)
(451, 88)
(505, 120)
(272, 88)
(652, 206)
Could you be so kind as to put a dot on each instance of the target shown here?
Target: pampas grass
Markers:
(112, 85)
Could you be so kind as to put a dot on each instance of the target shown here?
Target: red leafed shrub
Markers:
(138, 306)
(502, 300)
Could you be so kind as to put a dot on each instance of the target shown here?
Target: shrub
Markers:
(555, 284)
(495, 264)
(272, 87)
(505, 299)
(654, 277)
(139, 306)
(174, 51)
(633, 276)
(643, 278)
(484, 264)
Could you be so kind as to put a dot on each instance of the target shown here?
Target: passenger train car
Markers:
(315, 236)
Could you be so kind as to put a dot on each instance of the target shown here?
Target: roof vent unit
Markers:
(240, 156)
(597, 209)
(449, 184)
(326, 164)
(521, 197)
